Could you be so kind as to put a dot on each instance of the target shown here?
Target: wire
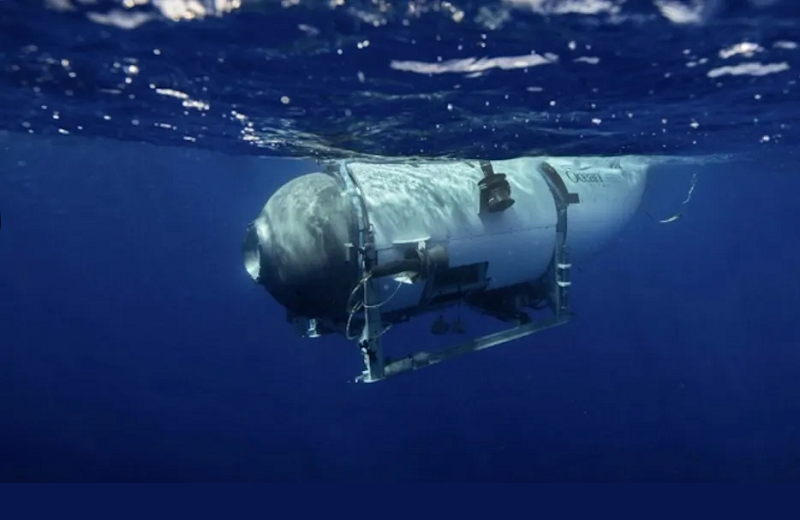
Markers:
(679, 214)
(384, 302)
(349, 321)
(361, 305)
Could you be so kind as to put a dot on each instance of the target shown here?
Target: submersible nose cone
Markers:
(297, 247)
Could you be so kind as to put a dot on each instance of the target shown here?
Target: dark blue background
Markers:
(133, 346)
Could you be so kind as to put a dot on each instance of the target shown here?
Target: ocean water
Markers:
(140, 138)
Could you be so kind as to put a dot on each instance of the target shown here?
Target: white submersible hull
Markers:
(364, 245)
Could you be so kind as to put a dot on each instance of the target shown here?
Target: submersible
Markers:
(363, 245)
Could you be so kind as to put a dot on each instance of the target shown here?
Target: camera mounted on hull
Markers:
(495, 191)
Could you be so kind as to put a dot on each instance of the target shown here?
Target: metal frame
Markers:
(369, 340)
(560, 284)
(559, 274)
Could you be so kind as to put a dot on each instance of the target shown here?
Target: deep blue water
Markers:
(133, 345)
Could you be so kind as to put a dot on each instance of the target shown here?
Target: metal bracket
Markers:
(370, 339)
